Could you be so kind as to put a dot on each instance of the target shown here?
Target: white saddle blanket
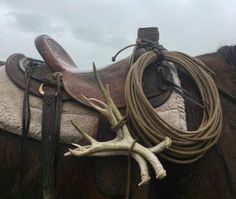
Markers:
(11, 102)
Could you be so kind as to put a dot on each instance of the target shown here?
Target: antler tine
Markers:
(88, 137)
(98, 80)
(144, 173)
(107, 109)
(79, 148)
(99, 102)
(96, 107)
(108, 96)
(165, 144)
(106, 93)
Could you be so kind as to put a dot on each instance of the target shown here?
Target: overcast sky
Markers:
(94, 30)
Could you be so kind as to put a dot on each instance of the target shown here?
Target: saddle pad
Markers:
(11, 109)
(11, 102)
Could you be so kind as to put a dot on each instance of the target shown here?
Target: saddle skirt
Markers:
(11, 112)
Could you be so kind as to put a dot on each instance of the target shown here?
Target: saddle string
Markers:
(58, 77)
(187, 95)
(122, 122)
(26, 114)
(26, 117)
(227, 95)
(188, 146)
(181, 91)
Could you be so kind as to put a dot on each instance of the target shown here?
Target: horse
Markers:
(213, 176)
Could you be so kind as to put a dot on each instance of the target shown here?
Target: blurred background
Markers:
(95, 30)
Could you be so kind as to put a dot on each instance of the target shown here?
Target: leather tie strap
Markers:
(48, 144)
(52, 102)
(26, 116)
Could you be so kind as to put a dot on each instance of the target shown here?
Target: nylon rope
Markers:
(187, 146)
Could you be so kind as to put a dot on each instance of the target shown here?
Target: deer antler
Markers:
(124, 143)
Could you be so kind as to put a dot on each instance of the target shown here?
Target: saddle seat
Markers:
(78, 84)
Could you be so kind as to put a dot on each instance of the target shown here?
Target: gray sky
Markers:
(94, 30)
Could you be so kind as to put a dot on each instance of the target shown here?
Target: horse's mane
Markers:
(228, 53)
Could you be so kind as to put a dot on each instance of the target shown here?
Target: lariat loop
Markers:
(188, 146)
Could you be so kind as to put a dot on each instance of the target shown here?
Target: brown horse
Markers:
(213, 176)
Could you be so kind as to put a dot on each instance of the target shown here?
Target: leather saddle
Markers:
(76, 84)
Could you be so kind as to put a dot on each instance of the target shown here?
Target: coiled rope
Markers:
(187, 146)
